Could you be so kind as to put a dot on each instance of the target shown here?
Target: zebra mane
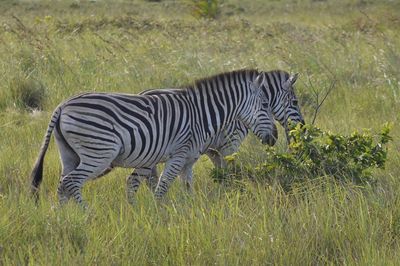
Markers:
(199, 82)
(247, 72)
(283, 73)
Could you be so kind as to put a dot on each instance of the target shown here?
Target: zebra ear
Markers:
(258, 82)
(290, 81)
(293, 78)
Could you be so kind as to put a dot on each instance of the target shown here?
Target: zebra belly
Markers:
(121, 161)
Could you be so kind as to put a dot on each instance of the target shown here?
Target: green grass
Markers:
(69, 47)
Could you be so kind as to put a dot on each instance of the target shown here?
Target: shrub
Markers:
(314, 153)
(205, 8)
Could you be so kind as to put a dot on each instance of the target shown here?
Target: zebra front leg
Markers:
(217, 158)
(152, 180)
(187, 176)
(133, 182)
(172, 168)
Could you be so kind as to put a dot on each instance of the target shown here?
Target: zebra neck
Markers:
(214, 109)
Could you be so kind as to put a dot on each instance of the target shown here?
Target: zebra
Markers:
(94, 131)
(278, 86)
(225, 143)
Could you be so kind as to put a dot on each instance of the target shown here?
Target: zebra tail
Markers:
(37, 172)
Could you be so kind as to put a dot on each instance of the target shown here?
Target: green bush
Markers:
(205, 8)
(314, 153)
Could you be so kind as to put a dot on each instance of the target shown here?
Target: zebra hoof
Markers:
(84, 206)
(158, 196)
(131, 201)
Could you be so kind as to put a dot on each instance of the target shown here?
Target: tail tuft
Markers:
(36, 177)
(37, 172)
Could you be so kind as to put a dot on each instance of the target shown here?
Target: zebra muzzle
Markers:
(270, 139)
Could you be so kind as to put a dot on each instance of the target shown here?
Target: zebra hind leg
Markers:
(69, 158)
(70, 161)
(95, 154)
(71, 184)
(133, 182)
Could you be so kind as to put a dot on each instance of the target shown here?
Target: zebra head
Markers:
(279, 88)
(261, 121)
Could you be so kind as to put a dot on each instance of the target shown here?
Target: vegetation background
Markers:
(51, 50)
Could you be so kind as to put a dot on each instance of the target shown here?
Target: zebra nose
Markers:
(271, 139)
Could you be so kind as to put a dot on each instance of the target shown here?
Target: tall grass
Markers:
(64, 48)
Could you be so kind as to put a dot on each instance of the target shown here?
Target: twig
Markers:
(114, 44)
(319, 104)
(20, 24)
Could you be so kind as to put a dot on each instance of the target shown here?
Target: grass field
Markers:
(55, 49)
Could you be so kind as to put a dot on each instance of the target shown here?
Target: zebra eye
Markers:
(294, 102)
(265, 105)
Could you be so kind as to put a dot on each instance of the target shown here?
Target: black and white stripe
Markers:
(279, 90)
(95, 131)
(278, 87)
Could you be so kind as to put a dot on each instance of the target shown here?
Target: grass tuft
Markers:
(27, 93)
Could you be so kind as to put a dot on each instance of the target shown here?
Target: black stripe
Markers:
(98, 149)
(88, 164)
(90, 136)
(94, 124)
(211, 106)
(135, 102)
(93, 157)
(173, 115)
